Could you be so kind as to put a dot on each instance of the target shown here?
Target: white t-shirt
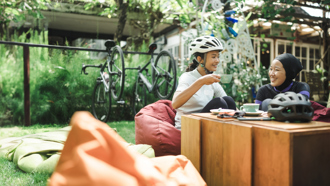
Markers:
(198, 101)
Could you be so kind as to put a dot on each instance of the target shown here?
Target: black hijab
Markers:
(292, 67)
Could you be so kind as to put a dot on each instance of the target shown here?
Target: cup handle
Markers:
(241, 108)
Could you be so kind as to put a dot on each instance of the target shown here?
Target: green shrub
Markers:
(57, 88)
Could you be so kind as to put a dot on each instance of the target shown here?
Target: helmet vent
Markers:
(216, 43)
(288, 110)
(210, 44)
(204, 47)
(281, 99)
(307, 110)
(291, 97)
(299, 109)
(199, 40)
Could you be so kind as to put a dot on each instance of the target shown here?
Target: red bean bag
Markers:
(321, 113)
(154, 125)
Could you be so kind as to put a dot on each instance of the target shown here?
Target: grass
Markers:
(11, 175)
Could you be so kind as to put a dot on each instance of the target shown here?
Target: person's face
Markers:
(212, 60)
(276, 73)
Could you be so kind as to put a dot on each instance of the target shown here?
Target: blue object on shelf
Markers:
(230, 12)
(212, 33)
(232, 19)
(232, 31)
(225, 34)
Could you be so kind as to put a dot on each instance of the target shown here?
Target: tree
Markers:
(144, 15)
(12, 10)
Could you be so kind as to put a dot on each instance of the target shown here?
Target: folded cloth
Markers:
(40, 152)
(36, 152)
(96, 155)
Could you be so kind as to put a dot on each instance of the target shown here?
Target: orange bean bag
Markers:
(154, 125)
(95, 155)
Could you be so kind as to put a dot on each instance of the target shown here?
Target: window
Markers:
(263, 51)
(308, 54)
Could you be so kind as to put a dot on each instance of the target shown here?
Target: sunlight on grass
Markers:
(126, 129)
(10, 174)
(17, 131)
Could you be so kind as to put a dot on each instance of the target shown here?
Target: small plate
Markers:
(254, 113)
(221, 111)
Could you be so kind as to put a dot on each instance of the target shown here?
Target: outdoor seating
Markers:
(94, 155)
(321, 113)
(154, 125)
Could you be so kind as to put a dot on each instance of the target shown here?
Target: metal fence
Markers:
(26, 59)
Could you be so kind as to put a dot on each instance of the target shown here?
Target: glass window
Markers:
(176, 51)
(303, 51)
(303, 62)
(317, 54)
(311, 53)
(280, 49)
(297, 53)
(311, 64)
(289, 49)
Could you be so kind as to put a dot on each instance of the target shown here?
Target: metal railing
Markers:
(26, 59)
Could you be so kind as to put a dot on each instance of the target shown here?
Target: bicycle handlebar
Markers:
(83, 69)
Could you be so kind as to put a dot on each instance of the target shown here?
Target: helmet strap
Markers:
(203, 65)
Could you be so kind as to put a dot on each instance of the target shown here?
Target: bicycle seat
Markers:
(110, 43)
(152, 48)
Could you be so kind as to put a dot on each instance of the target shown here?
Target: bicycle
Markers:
(163, 82)
(110, 84)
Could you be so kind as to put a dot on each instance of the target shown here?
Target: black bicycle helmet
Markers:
(291, 106)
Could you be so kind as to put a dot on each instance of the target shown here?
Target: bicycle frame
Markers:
(150, 85)
(102, 67)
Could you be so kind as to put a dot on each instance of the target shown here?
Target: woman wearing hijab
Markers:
(283, 69)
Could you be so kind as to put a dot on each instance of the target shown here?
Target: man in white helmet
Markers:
(198, 89)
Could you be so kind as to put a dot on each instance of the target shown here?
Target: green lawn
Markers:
(11, 175)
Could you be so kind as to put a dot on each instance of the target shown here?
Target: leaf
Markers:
(179, 2)
(11, 11)
(248, 16)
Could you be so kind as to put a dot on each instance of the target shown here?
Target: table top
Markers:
(272, 124)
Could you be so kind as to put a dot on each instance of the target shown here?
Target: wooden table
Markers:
(231, 152)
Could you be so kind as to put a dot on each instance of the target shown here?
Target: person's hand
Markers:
(210, 79)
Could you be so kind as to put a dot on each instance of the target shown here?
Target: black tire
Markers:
(101, 102)
(166, 79)
(140, 96)
(116, 68)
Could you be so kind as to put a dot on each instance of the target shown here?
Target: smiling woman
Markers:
(282, 71)
(199, 89)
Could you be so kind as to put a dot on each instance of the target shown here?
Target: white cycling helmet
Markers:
(205, 44)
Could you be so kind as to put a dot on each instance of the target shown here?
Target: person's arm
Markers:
(181, 97)
(260, 97)
(304, 89)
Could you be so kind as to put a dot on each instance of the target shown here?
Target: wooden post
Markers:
(26, 57)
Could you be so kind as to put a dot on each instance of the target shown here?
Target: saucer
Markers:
(254, 113)
(221, 111)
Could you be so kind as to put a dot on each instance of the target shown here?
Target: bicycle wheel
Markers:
(140, 96)
(164, 72)
(101, 102)
(116, 68)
